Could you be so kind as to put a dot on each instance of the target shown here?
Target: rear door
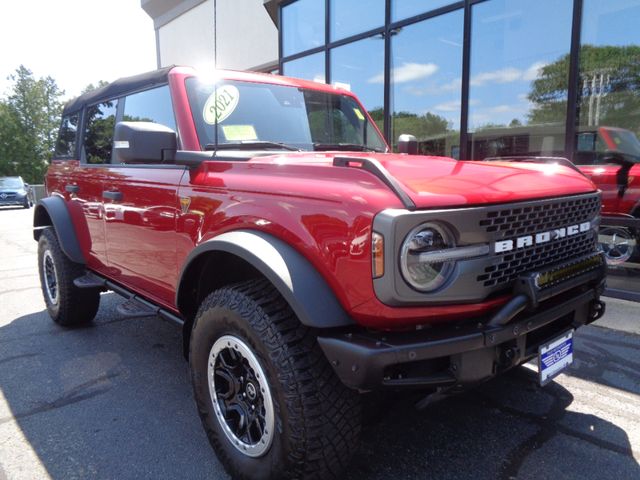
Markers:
(141, 205)
(82, 149)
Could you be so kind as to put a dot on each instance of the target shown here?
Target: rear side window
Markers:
(67, 136)
(150, 106)
(98, 135)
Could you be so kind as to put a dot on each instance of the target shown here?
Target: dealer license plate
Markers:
(555, 356)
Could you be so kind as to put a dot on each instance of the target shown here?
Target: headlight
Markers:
(429, 255)
(422, 275)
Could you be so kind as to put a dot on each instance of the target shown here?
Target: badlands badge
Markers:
(184, 204)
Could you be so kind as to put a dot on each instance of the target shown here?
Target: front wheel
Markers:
(269, 401)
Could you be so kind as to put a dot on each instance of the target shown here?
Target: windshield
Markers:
(272, 116)
(625, 141)
(9, 182)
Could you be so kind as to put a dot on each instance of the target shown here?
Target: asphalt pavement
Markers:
(113, 401)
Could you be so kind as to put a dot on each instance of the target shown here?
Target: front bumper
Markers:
(462, 355)
(13, 200)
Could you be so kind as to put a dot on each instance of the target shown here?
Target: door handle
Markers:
(72, 188)
(115, 196)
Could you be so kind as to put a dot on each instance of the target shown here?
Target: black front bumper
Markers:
(461, 355)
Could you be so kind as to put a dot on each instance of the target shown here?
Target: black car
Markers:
(13, 191)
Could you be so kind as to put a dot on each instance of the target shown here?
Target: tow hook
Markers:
(596, 310)
(507, 357)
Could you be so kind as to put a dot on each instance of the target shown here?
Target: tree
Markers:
(91, 87)
(609, 88)
(30, 121)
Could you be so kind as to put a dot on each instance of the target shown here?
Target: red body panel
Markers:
(322, 211)
(605, 178)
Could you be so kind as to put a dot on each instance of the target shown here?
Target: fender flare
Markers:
(56, 209)
(299, 283)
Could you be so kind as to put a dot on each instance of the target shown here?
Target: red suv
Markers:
(611, 158)
(305, 263)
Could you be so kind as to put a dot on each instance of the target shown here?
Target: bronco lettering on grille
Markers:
(543, 237)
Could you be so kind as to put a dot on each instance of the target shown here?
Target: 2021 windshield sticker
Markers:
(220, 104)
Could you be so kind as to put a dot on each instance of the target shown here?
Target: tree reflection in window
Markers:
(98, 138)
(66, 144)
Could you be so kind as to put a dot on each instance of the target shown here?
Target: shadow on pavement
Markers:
(113, 400)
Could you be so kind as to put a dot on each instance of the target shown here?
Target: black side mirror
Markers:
(144, 142)
(407, 144)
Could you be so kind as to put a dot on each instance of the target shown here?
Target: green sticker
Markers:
(220, 104)
(238, 133)
(358, 113)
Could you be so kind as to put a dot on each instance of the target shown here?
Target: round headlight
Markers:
(422, 275)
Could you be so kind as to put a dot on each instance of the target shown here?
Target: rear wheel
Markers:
(269, 401)
(67, 304)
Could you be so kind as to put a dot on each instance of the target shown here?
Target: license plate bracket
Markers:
(555, 356)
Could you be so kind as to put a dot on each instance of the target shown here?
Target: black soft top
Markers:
(117, 88)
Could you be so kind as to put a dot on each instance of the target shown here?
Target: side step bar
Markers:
(135, 306)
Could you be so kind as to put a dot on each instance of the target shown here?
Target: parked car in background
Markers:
(305, 262)
(610, 157)
(14, 191)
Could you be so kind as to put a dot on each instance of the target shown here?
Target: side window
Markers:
(98, 135)
(150, 106)
(67, 136)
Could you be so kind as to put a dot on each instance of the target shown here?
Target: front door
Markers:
(141, 207)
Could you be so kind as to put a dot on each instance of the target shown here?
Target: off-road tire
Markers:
(317, 418)
(74, 306)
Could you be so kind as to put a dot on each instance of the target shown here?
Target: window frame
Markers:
(121, 99)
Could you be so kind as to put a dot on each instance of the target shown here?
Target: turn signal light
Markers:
(377, 254)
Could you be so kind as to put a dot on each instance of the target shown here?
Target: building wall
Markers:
(247, 37)
(189, 39)
(187, 30)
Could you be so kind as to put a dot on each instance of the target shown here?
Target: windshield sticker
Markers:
(239, 133)
(358, 113)
(220, 104)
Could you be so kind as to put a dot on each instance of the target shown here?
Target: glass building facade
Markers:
(479, 79)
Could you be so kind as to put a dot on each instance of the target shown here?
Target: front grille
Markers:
(542, 217)
(537, 217)
(529, 259)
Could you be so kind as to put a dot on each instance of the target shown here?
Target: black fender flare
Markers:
(299, 283)
(56, 210)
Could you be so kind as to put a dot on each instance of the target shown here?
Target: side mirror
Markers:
(144, 142)
(407, 144)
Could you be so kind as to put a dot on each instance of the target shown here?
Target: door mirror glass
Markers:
(144, 142)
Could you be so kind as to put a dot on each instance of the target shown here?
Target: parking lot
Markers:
(113, 401)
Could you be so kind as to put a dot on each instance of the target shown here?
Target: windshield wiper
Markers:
(250, 145)
(354, 147)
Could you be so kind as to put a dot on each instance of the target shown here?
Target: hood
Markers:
(437, 181)
(434, 182)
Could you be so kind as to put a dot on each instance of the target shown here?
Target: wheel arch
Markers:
(53, 212)
(244, 254)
